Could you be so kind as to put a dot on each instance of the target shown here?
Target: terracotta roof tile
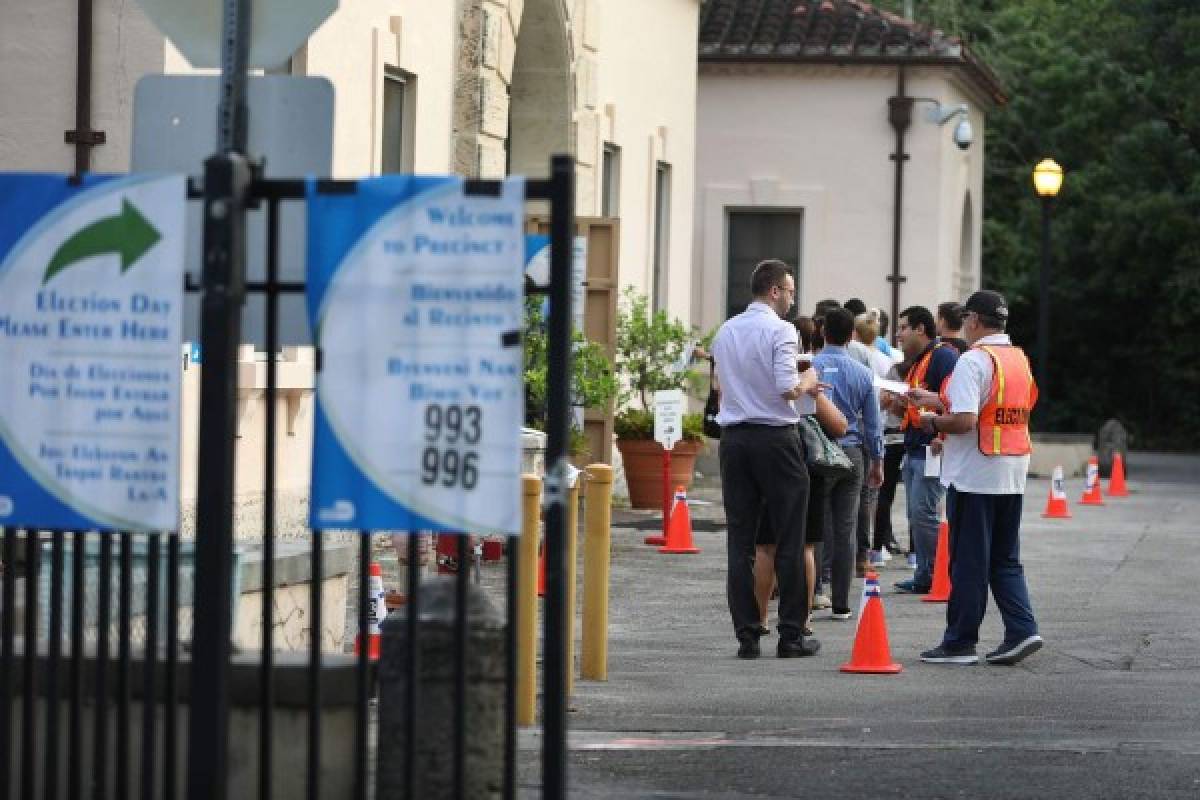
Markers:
(845, 31)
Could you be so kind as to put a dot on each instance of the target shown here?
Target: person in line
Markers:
(881, 342)
(762, 457)
(933, 362)
(866, 331)
(853, 393)
(873, 551)
(949, 325)
(764, 541)
(985, 462)
(834, 425)
(893, 457)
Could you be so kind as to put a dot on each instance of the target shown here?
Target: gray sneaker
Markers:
(1008, 654)
(821, 601)
(943, 655)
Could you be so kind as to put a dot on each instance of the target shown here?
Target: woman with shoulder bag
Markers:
(833, 424)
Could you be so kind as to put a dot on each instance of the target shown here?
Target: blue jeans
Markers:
(985, 550)
(922, 495)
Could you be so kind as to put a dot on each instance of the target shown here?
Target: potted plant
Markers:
(593, 383)
(653, 353)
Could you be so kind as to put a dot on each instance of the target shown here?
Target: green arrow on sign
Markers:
(128, 234)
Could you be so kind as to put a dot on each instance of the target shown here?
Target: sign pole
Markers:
(226, 184)
(660, 541)
(668, 429)
(558, 402)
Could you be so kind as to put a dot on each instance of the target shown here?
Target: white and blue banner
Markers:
(91, 321)
(415, 296)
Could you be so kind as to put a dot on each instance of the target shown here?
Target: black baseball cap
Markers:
(987, 303)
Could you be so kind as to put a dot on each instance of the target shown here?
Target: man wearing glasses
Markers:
(762, 458)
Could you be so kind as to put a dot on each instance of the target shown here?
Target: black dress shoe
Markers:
(749, 649)
(798, 648)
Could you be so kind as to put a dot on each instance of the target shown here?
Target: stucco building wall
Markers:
(647, 107)
(816, 138)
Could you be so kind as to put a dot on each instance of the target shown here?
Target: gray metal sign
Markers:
(291, 127)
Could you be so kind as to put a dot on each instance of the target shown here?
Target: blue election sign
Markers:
(415, 295)
(91, 320)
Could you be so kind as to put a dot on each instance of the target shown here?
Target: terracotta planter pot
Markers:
(643, 461)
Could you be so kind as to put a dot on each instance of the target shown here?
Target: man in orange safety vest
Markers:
(985, 420)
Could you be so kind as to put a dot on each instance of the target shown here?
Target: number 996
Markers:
(449, 468)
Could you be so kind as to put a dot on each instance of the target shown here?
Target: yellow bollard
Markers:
(572, 558)
(597, 554)
(527, 616)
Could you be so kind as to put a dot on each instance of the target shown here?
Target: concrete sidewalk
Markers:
(1110, 708)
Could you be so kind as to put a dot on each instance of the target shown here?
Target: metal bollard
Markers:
(572, 572)
(527, 616)
(597, 555)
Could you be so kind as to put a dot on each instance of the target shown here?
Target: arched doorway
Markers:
(541, 94)
(964, 279)
(514, 94)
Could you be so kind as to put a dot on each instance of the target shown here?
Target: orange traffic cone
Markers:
(1056, 505)
(1116, 479)
(376, 612)
(939, 592)
(679, 529)
(1093, 496)
(871, 651)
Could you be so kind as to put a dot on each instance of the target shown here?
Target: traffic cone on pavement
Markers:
(1056, 505)
(869, 580)
(679, 529)
(376, 612)
(1093, 496)
(939, 592)
(1116, 479)
(871, 652)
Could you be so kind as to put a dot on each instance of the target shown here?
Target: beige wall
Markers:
(37, 81)
(817, 138)
(646, 105)
(354, 48)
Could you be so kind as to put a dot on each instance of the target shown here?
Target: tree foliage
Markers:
(1108, 89)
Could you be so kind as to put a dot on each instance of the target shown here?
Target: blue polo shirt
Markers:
(940, 366)
(853, 392)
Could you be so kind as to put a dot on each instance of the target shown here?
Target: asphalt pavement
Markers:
(1110, 708)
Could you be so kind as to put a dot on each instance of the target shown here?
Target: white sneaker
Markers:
(821, 601)
(883, 551)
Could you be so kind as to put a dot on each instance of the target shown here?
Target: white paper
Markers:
(895, 387)
(933, 463)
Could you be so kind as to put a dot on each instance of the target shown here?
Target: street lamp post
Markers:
(1047, 180)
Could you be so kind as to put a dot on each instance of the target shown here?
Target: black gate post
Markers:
(227, 179)
(558, 402)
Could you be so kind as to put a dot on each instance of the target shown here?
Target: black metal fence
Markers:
(62, 667)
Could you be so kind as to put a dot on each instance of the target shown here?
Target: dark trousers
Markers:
(893, 454)
(841, 543)
(985, 550)
(763, 471)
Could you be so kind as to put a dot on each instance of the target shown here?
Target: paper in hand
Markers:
(895, 387)
(933, 463)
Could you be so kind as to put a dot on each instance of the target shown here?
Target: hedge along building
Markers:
(814, 146)
(478, 87)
